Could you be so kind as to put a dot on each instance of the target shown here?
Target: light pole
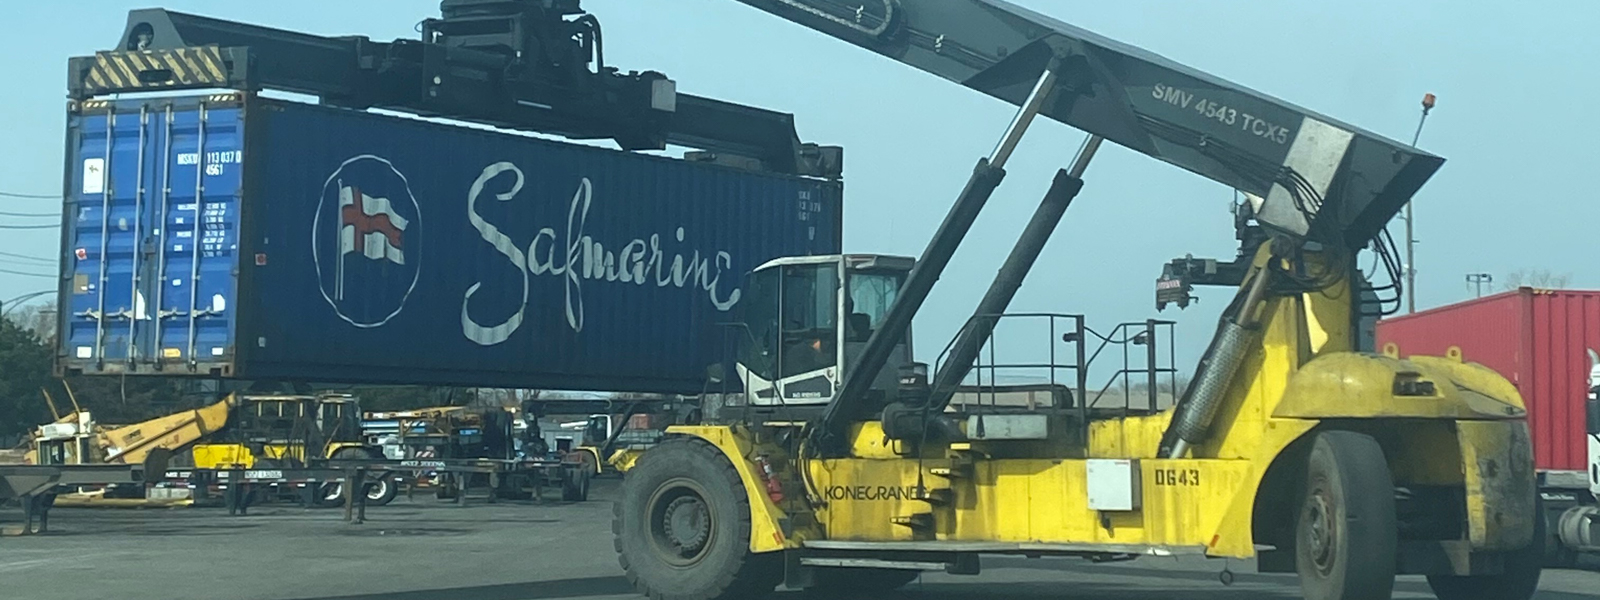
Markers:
(1479, 280)
(1411, 239)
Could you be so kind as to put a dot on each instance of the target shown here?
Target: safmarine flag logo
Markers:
(365, 239)
(368, 225)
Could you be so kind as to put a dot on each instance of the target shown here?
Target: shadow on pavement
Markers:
(616, 585)
(1158, 583)
(582, 587)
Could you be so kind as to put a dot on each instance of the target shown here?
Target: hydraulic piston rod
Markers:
(1006, 282)
(986, 176)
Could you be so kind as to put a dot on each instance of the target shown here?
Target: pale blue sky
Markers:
(1517, 86)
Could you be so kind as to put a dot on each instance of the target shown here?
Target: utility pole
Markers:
(1411, 238)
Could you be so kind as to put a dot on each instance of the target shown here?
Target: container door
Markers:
(116, 156)
(153, 275)
(199, 249)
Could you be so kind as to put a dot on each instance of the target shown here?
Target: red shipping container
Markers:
(1539, 339)
(641, 421)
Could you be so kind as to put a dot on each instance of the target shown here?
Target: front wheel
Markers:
(682, 527)
(1346, 534)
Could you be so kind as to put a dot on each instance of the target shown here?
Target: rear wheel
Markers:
(682, 527)
(575, 484)
(380, 491)
(1346, 534)
(1556, 553)
(1517, 580)
(330, 495)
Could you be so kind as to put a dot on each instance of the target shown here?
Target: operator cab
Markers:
(800, 333)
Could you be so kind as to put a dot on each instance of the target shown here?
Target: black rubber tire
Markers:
(331, 495)
(1556, 554)
(723, 568)
(575, 484)
(1518, 580)
(1346, 535)
(858, 582)
(382, 491)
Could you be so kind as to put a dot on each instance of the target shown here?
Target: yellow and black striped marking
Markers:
(157, 69)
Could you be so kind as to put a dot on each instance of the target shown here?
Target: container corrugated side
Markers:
(1538, 339)
(380, 249)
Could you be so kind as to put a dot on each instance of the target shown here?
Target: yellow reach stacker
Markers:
(829, 458)
(842, 464)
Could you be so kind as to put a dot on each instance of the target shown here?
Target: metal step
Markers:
(1005, 547)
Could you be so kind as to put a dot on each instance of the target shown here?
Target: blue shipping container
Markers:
(270, 240)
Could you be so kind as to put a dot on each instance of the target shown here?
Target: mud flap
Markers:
(1497, 458)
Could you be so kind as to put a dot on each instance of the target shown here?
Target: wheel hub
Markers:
(686, 523)
(1320, 532)
(377, 489)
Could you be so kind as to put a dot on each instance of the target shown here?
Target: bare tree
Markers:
(1536, 278)
(37, 318)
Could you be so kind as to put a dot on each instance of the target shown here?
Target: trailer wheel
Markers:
(575, 484)
(329, 495)
(1346, 535)
(1556, 553)
(1517, 580)
(382, 490)
(863, 582)
(682, 527)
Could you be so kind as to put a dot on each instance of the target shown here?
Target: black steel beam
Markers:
(547, 87)
(303, 63)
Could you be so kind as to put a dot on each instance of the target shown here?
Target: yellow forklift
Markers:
(841, 464)
(76, 438)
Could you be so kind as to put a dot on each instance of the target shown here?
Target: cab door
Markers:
(788, 351)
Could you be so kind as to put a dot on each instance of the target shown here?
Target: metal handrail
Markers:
(1123, 335)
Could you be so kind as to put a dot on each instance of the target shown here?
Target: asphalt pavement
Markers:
(429, 550)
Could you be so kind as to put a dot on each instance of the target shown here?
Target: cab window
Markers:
(810, 333)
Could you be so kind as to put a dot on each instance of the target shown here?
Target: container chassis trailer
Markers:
(33, 486)
(240, 488)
